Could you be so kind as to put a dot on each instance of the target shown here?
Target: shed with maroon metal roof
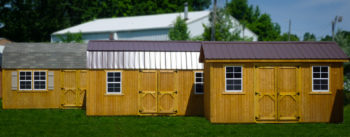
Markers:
(144, 78)
(273, 82)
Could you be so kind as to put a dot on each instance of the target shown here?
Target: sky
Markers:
(314, 16)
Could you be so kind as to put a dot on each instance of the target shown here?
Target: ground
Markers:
(55, 122)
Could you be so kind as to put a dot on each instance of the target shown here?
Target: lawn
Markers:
(55, 122)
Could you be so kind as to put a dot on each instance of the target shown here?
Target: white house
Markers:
(148, 27)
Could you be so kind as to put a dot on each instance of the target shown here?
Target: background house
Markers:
(148, 27)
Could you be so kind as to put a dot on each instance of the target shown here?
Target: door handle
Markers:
(298, 93)
(257, 93)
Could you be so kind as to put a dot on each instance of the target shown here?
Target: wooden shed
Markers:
(44, 75)
(273, 82)
(144, 78)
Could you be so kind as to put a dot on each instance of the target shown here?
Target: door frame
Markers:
(78, 89)
(159, 93)
(277, 94)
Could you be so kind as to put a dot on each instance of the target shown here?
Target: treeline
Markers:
(35, 20)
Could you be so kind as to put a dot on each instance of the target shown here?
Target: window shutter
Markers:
(14, 80)
(51, 80)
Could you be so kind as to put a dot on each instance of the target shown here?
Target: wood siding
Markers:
(133, 81)
(15, 99)
(0, 83)
(223, 107)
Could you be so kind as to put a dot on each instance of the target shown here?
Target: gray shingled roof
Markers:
(44, 56)
(272, 50)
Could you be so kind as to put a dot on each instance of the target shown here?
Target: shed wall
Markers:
(239, 108)
(13, 99)
(100, 103)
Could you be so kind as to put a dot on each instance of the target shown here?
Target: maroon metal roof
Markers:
(272, 50)
(124, 45)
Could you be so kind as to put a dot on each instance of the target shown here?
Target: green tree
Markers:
(284, 37)
(71, 38)
(225, 30)
(260, 24)
(36, 20)
(309, 37)
(179, 31)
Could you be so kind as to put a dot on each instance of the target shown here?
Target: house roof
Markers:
(44, 56)
(132, 23)
(272, 50)
(118, 45)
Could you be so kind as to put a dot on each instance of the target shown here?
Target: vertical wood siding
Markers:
(13, 99)
(100, 103)
(239, 108)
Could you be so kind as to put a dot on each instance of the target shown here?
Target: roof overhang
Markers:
(275, 60)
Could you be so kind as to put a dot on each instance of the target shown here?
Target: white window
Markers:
(25, 80)
(39, 80)
(114, 82)
(320, 78)
(233, 78)
(198, 83)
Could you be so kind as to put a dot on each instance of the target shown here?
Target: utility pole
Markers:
(289, 29)
(213, 22)
(336, 19)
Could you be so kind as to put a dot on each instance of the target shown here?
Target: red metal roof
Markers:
(272, 50)
(125, 45)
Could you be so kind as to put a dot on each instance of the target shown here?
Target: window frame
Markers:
(121, 81)
(33, 77)
(312, 78)
(195, 82)
(19, 80)
(226, 90)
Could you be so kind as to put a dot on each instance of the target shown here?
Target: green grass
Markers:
(55, 122)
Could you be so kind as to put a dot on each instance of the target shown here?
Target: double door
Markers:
(74, 84)
(158, 92)
(277, 91)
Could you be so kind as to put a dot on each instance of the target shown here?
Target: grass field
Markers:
(55, 122)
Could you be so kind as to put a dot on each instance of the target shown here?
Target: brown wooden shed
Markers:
(273, 82)
(144, 78)
(44, 75)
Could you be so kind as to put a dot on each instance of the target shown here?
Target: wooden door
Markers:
(74, 84)
(265, 94)
(288, 94)
(82, 87)
(167, 93)
(69, 88)
(148, 92)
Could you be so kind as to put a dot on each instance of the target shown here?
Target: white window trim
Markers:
(19, 79)
(121, 75)
(312, 80)
(195, 82)
(234, 79)
(33, 83)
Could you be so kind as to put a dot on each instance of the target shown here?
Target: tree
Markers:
(36, 20)
(260, 24)
(225, 30)
(309, 37)
(179, 31)
(71, 38)
(284, 37)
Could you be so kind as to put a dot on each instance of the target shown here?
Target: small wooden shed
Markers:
(144, 78)
(273, 82)
(44, 75)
